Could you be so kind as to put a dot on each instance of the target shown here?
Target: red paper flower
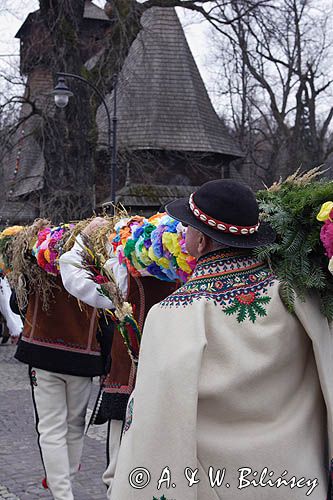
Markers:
(100, 279)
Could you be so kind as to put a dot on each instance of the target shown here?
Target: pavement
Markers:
(21, 470)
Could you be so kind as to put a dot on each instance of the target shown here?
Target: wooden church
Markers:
(170, 138)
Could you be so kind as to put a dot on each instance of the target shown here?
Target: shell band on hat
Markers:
(219, 225)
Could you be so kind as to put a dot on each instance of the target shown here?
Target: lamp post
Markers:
(62, 94)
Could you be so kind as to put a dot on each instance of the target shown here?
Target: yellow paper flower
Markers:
(136, 262)
(164, 262)
(170, 241)
(151, 254)
(11, 231)
(325, 211)
(161, 261)
(182, 263)
(47, 255)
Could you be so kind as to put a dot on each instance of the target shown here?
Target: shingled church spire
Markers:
(162, 100)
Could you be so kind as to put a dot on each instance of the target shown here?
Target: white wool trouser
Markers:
(60, 403)
(113, 444)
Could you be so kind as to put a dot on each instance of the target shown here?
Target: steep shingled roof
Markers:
(162, 100)
(23, 166)
(91, 11)
(27, 154)
(22, 169)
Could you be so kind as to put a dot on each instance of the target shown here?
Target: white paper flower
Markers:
(330, 265)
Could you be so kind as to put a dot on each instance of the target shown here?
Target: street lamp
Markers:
(62, 94)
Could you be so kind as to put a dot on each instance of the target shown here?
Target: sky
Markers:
(13, 13)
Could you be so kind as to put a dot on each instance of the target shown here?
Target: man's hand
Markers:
(14, 340)
(93, 225)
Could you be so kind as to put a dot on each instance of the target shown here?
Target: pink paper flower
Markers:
(47, 248)
(100, 279)
(326, 236)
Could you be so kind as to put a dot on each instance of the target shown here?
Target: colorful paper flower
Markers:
(11, 231)
(326, 233)
(326, 211)
(100, 279)
(153, 247)
(326, 236)
(47, 248)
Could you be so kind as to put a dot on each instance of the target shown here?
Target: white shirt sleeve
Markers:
(78, 283)
(13, 320)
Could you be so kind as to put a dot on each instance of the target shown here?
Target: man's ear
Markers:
(203, 244)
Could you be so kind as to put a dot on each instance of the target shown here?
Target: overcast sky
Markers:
(13, 13)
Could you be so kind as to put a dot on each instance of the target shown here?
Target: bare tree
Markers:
(275, 63)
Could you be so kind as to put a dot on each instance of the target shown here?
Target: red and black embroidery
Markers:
(235, 280)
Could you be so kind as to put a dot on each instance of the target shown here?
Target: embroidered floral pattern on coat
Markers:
(235, 280)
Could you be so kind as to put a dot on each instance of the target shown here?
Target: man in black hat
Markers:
(234, 395)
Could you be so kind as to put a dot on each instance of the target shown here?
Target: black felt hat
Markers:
(226, 211)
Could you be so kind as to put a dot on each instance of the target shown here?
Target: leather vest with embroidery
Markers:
(143, 293)
(63, 338)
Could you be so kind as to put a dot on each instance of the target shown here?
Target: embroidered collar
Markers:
(226, 259)
(233, 279)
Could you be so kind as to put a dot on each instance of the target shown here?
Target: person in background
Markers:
(11, 320)
(234, 394)
(61, 349)
(142, 293)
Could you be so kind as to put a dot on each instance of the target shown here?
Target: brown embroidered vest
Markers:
(61, 339)
(143, 293)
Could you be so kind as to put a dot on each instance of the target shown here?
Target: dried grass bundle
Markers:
(69, 237)
(297, 178)
(99, 238)
(26, 275)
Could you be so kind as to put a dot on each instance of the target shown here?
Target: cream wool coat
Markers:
(239, 394)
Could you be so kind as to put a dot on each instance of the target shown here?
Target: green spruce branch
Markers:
(298, 256)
